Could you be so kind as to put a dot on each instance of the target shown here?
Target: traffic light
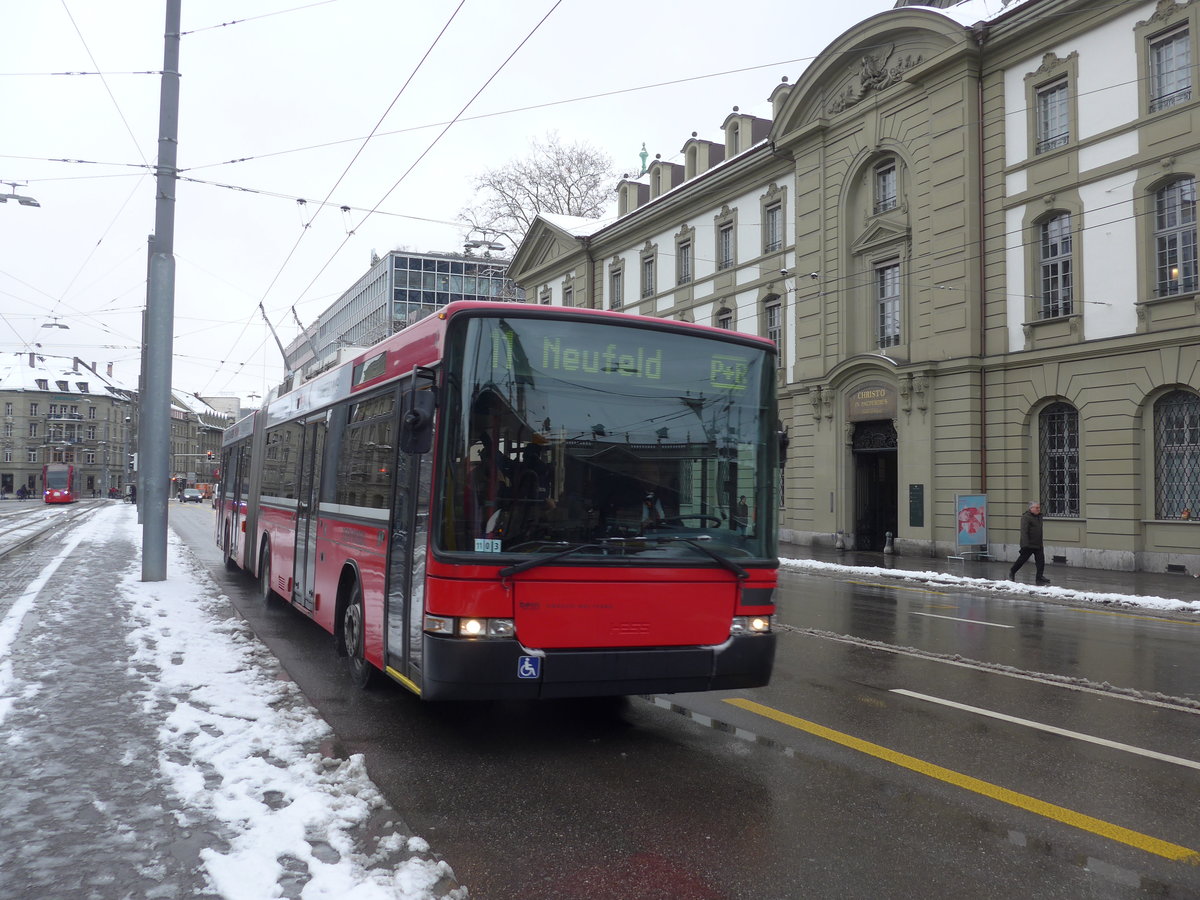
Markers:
(133, 466)
(210, 454)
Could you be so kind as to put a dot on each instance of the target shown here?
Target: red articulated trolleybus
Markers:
(517, 501)
(58, 483)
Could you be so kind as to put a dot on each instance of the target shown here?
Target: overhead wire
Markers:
(300, 237)
(435, 141)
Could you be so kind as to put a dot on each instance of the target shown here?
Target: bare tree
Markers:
(569, 179)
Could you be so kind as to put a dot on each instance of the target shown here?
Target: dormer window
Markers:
(43, 384)
(885, 186)
(62, 385)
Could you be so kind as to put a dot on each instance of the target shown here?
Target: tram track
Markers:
(40, 530)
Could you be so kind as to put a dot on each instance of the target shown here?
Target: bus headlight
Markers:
(469, 627)
(750, 625)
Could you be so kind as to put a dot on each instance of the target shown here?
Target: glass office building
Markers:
(399, 289)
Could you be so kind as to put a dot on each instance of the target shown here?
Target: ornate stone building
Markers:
(974, 238)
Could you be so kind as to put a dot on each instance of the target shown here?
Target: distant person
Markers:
(743, 515)
(21, 492)
(1031, 543)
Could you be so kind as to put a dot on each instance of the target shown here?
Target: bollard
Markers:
(888, 549)
(840, 542)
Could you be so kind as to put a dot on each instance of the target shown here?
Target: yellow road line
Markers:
(1004, 795)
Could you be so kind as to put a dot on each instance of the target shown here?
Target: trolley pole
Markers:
(155, 421)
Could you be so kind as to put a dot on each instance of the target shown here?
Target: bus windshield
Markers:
(592, 439)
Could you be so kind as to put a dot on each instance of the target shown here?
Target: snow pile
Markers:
(989, 584)
(237, 744)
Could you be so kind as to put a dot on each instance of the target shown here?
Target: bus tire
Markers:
(265, 591)
(362, 673)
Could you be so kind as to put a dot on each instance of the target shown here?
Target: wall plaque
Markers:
(874, 400)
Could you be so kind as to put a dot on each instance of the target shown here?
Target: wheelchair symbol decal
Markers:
(529, 667)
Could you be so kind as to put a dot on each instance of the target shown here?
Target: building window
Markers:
(885, 186)
(1053, 117)
(91, 412)
(8, 429)
(773, 228)
(1170, 69)
(725, 246)
(616, 284)
(33, 430)
(43, 384)
(725, 318)
(8, 408)
(887, 304)
(568, 296)
(31, 456)
(774, 314)
(33, 409)
(89, 457)
(1175, 237)
(1058, 433)
(1056, 267)
(1177, 456)
(648, 285)
(683, 261)
(8, 454)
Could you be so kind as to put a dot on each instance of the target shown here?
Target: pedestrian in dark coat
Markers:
(1031, 543)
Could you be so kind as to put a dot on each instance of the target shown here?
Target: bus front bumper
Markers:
(457, 669)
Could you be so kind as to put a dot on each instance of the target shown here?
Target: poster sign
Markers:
(970, 511)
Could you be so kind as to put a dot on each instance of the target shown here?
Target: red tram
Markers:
(58, 483)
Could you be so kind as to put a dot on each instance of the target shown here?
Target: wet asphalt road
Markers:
(827, 783)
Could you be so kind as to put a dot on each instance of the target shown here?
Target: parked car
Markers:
(190, 495)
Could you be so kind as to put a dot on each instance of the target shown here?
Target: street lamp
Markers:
(13, 195)
(486, 242)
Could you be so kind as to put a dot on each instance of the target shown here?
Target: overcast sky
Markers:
(275, 107)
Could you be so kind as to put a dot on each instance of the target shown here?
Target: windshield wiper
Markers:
(541, 560)
(724, 561)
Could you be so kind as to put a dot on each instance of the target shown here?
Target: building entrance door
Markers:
(876, 491)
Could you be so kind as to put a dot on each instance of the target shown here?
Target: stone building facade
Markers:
(974, 239)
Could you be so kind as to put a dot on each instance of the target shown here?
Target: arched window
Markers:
(1175, 238)
(1058, 460)
(1177, 456)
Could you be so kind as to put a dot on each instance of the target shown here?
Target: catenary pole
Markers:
(157, 350)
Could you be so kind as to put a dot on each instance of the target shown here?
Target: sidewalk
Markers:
(1181, 587)
(153, 748)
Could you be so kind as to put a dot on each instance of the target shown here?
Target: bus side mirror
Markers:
(416, 418)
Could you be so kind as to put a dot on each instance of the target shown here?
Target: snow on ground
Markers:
(237, 750)
(240, 745)
(989, 584)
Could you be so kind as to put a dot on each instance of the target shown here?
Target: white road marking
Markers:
(1103, 742)
(957, 619)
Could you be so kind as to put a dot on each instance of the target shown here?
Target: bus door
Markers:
(406, 563)
(307, 502)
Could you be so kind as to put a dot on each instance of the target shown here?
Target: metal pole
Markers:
(155, 423)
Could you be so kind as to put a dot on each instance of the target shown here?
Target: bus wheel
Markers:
(362, 673)
(264, 574)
